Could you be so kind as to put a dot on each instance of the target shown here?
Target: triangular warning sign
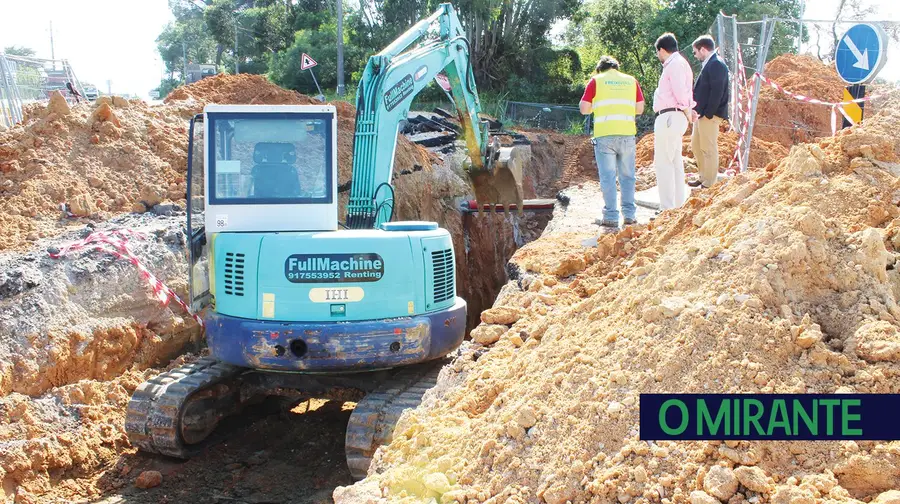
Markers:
(307, 62)
(443, 81)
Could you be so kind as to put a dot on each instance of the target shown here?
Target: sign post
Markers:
(307, 63)
(853, 110)
(860, 54)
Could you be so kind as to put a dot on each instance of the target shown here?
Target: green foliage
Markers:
(25, 52)
(511, 53)
(623, 29)
(688, 19)
(321, 45)
(552, 76)
(510, 47)
(166, 86)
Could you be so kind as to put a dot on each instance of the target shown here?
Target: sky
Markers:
(115, 40)
(104, 40)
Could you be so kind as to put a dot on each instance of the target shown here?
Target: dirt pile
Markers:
(762, 153)
(783, 119)
(238, 89)
(120, 156)
(112, 157)
(782, 280)
(77, 335)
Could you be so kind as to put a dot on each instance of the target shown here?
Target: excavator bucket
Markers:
(500, 181)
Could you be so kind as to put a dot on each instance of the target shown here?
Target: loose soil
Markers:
(781, 280)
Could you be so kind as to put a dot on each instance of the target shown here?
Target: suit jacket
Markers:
(711, 90)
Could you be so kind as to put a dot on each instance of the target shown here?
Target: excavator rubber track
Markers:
(372, 422)
(155, 419)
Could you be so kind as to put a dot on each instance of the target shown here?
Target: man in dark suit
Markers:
(711, 95)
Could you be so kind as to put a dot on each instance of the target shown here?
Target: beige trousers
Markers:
(704, 144)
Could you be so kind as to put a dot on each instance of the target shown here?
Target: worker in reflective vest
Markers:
(614, 98)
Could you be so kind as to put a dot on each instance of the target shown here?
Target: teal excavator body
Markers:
(292, 304)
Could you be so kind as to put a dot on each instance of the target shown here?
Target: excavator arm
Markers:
(390, 82)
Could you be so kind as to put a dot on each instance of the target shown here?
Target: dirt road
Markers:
(272, 455)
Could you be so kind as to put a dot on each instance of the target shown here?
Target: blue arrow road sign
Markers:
(861, 53)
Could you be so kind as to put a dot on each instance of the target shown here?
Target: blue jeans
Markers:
(616, 155)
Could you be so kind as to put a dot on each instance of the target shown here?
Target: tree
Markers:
(688, 19)
(25, 52)
(849, 10)
(322, 45)
(623, 29)
(189, 37)
(504, 35)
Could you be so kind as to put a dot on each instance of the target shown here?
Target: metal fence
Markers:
(31, 80)
(749, 46)
(545, 116)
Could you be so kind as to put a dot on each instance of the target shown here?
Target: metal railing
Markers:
(748, 46)
(25, 80)
(544, 116)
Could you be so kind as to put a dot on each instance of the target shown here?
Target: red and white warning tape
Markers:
(746, 95)
(743, 115)
(835, 107)
(116, 243)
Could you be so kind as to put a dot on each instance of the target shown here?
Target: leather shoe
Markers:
(629, 222)
(695, 183)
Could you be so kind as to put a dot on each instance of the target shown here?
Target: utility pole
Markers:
(183, 61)
(340, 49)
(109, 87)
(52, 52)
(237, 65)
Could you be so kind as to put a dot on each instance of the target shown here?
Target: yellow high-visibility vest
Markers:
(615, 104)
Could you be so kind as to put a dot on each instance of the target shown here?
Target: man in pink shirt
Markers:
(673, 102)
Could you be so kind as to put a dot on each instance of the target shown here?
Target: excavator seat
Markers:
(274, 174)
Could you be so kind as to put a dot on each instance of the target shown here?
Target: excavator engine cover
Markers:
(500, 181)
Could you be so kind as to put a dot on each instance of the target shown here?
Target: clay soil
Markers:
(784, 120)
(782, 280)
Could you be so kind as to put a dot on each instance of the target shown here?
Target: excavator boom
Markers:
(390, 82)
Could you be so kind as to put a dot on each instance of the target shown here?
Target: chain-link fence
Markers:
(31, 80)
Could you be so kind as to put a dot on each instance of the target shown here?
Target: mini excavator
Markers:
(292, 305)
